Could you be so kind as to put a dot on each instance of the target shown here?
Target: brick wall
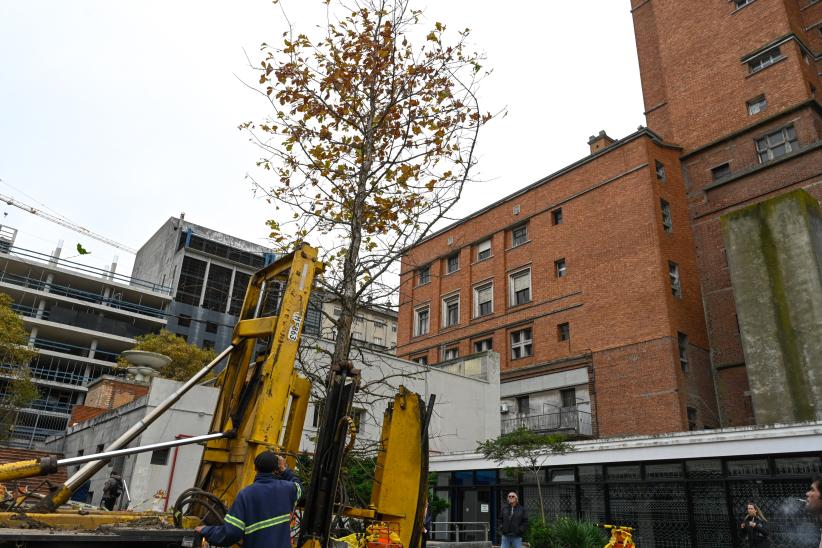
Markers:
(616, 292)
(110, 392)
(80, 413)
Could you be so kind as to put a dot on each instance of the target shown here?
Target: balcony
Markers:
(567, 420)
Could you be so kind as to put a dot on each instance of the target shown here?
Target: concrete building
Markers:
(170, 470)
(585, 282)
(750, 140)
(208, 272)
(374, 326)
(79, 319)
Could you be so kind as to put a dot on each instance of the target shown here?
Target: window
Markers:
(519, 235)
(211, 327)
(483, 250)
(241, 280)
(190, 284)
(520, 284)
(100, 448)
(673, 274)
(667, 222)
(569, 397)
(757, 105)
(450, 354)
(483, 300)
(776, 144)
(318, 413)
(208, 344)
(183, 320)
(452, 263)
(424, 274)
(682, 345)
(357, 415)
(764, 60)
(523, 405)
(217, 288)
(741, 3)
(422, 360)
(564, 331)
(559, 268)
(521, 344)
(660, 170)
(691, 418)
(451, 311)
(421, 316)
(484, 345)
(393, 328)
(379, 325)
(721, 171)
(338, 312)
(160, 456)
(357, 336)
(378, 340)
(556, 216)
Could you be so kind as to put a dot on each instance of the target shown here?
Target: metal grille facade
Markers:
(679, 504)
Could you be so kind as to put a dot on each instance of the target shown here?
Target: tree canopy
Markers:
(371, 140)
(15, 357)
(186, 359)
(528, 450)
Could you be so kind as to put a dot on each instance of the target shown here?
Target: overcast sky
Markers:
(118, 115)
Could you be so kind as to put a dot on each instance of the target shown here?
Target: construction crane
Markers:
(64, 223)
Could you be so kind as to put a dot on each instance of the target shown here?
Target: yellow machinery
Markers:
(262, 405)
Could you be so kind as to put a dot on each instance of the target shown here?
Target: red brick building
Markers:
(591, 282)
(735, 84)
(585, 283)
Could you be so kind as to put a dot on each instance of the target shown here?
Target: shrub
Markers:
(539, 534)
(570, 533)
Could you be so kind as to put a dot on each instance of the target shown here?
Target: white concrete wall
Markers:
(466, 409)
(191, 415)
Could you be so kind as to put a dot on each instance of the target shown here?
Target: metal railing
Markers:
(459, 531)
(571, 420)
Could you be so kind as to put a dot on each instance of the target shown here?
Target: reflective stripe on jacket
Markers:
(260, 515)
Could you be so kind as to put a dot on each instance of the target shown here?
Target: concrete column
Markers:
(205, 283)
(32, 336)
(230, 290)
(774, 251)
(92, 348)
(41, 307)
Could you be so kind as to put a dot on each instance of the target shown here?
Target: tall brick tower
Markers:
(736, 84)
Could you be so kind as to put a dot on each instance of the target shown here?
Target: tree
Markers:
(529, 450)
(186, 359)
(15, 356)
(371, 140)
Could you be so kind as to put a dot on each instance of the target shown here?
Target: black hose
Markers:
(213, 509)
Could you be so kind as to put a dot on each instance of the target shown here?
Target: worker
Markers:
(111, 491)
(261, 513)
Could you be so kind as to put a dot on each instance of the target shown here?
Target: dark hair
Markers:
(266, 462)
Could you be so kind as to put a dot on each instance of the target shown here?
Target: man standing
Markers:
(813, 499)
(512, 523)
(111, 491)
(261, 513)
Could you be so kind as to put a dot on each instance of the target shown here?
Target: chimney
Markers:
(598, 142)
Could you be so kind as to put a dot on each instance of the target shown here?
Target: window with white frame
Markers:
(756, 105)
(519, 235)
(378, 340)
(564, 331)
(424, 274)
(721, 171)
(764, 60)
(450, 353)
(740, 3)
(452, 263)
(520, 287)
(521, 343)
(556, 216)
(484, 345)
(484, 250)
(559, 268)
(776, 144)
(673, 274)
(568, 397)
(667, 221)
(421, 319)
(483, 299)
(659, 167)
(450, 310)
(422, 360)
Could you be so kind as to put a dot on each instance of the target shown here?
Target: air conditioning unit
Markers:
(503, 408)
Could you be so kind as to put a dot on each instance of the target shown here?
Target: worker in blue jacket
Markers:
(261, 513)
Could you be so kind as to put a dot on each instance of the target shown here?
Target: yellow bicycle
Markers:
(620, 537)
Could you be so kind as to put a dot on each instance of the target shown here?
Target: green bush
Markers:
(539, 534)
(570, 533)
(565, 533)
